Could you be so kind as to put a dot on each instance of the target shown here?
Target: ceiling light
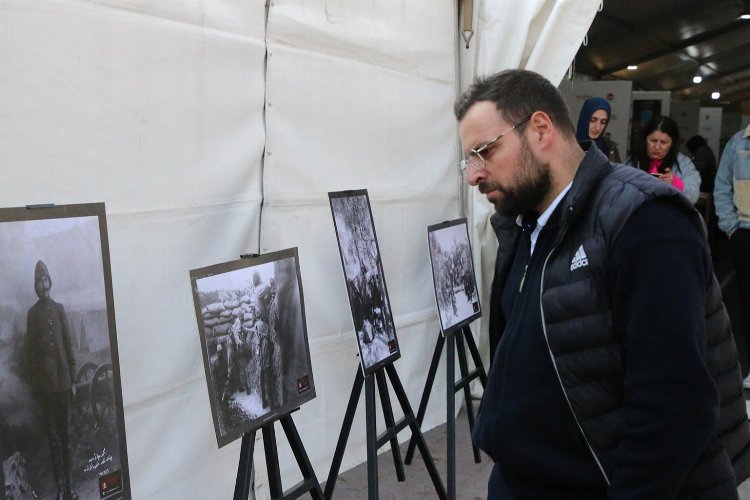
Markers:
(744, 12)
(632, 67)
(697, 79)
(715, 95)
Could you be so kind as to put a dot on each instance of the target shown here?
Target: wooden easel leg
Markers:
(245, 468)
(346, 428)
(416, 432)
(463, 364)
(385, 401)
(451, 416)
(272, 461)
(475, 355)
(426, 394)
(308, 473)
(372, 447)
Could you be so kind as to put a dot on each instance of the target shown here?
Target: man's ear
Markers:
(541, 127)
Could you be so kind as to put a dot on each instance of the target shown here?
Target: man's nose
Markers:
(474, 176)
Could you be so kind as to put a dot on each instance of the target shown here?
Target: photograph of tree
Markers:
(453, 274)
(365, 283)
(251, 321)
(62, 433)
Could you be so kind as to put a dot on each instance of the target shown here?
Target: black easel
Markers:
(390, 435)
(309, 481)
(462, 335)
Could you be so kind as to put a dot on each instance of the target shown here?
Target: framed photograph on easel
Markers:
(251, 321)
(455, 283)
(365, 282)
(62, 429)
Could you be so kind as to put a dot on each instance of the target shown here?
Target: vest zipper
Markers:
(554, 363)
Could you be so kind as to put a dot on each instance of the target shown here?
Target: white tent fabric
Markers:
(163, 109)
(155, 108)
(382, 78)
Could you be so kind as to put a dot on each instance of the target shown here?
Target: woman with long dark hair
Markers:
(660, 157)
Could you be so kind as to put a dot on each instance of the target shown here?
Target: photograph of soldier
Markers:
(251, 322)
(49, 359)
(363, 271)
(453, 274)
(61, 420)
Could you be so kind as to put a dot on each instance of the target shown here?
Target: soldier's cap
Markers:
(40, 270)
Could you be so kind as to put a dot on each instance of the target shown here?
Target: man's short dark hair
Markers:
(517, 93)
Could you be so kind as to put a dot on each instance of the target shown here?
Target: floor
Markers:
(471, 478)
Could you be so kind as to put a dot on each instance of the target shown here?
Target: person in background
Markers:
(661, 158)
(614, 372)
(732, 200)
(592, 123)
(704, 160)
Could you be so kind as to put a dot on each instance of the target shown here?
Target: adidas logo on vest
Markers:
(579, 259)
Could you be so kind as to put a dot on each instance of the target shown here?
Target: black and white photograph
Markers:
(456, 292)
(62, 433)
(365, 282)
(251, 321)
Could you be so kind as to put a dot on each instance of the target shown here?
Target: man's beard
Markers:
(531, 185)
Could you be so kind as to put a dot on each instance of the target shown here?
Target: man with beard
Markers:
(614, 372)
(49, 358)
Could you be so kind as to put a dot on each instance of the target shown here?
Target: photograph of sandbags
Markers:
(365, 282)
(251, 322)
(456, 291)
(62, 431)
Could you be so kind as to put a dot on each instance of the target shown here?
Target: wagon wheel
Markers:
(102, 397)
(83, 382)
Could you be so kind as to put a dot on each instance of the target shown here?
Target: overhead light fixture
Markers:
(632, 67)
(744, 13)
(697, 79)
(715, 95)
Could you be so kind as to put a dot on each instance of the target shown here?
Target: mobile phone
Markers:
(655, 174)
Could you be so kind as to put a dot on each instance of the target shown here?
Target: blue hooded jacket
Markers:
(582, 131)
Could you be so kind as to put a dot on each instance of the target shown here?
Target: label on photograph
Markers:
(392, 346)
(110, 483)
(303, 384)
(475, 305)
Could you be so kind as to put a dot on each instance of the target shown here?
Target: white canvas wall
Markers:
(368, 107)
(156, 109)
(162, 109)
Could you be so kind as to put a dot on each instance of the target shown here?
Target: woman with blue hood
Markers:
(592, 122)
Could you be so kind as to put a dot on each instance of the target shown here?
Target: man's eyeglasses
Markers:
(477, 157)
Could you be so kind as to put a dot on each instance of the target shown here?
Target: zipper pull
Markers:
(523, 278)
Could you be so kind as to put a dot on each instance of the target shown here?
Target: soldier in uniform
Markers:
(52, 368)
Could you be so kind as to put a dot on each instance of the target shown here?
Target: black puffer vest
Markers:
(577, 320)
